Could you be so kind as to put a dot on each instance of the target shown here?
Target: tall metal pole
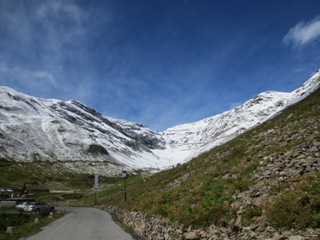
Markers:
(96, 180)
(125, 190)
(124, 174)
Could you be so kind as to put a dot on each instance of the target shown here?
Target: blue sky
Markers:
(158, 62)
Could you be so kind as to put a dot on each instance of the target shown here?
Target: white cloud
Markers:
(60, 9)
(26, 76)
(46, 31)
(303, 33)
(63, 33)
(41, 43)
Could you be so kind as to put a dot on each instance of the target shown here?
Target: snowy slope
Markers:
(189, 140)
(34, 129)
(307, 88)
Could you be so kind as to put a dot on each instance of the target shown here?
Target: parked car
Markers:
(34, 207)
(6, 190)
(21, 206)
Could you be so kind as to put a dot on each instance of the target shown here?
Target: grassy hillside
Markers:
(44, 175)
(40, 177)
(270, 173)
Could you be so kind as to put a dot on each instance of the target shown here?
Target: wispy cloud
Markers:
(42, 42)
(51, 27)
(303, 33)
(27, 76)
(62, 26)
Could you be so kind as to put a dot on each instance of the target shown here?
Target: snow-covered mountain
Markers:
(188, 140)
(34, 129)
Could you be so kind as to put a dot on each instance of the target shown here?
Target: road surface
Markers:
(82, 224)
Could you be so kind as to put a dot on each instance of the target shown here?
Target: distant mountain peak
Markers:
(52, 130)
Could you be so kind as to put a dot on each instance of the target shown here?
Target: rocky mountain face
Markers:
(34, 129)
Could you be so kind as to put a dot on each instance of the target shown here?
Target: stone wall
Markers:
(157, 228)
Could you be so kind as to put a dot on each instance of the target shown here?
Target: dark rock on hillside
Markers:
(96, 149)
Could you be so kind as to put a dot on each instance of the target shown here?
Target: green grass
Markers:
(41, 175)
(299, 208)
(114, 186)
(24, 224)
(201, 199)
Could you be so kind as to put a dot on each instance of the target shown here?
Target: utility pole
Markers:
(124, 175)
(96, 180)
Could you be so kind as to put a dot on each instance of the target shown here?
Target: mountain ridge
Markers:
(263, 184)
(36, 129)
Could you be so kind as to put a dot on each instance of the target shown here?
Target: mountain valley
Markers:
(79, 137)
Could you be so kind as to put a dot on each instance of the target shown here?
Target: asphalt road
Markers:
(82, 224)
